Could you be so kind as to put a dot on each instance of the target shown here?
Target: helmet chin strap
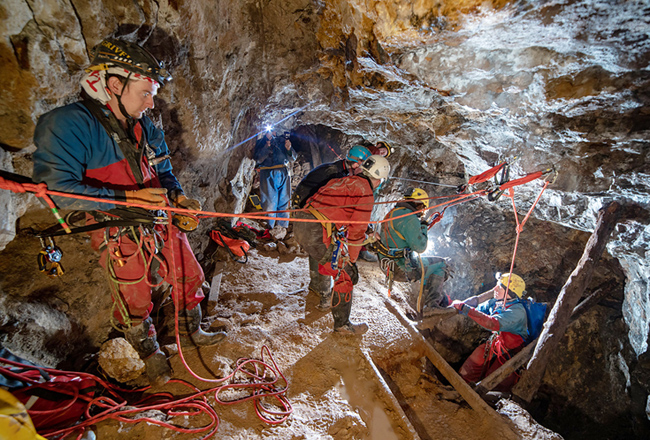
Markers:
(130, 121)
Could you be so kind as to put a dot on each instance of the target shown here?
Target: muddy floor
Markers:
(338, 386)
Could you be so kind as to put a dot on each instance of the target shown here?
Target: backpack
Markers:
(535, 315)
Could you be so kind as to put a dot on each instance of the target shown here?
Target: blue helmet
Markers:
(358, 154)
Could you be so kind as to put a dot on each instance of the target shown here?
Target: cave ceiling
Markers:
(456, 86)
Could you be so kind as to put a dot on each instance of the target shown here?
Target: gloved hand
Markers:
(460, 306)
(147, 196)
(183, 202)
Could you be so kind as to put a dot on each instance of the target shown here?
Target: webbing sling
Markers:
(327, 224)
(273, 167)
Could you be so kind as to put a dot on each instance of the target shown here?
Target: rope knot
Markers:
(41, 190)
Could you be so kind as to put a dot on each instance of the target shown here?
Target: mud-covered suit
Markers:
(275, 181)
(402, 233)
(75, 154)
(510, 328)
(308, 186)
(340, 201)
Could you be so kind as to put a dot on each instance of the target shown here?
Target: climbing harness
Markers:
(149, 242)
(49, 258)
(390, 253)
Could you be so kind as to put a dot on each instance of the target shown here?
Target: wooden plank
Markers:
(505, 370)
(437, 316)
(558, 320)
(501, 428)
(213, 296)
(388, 394)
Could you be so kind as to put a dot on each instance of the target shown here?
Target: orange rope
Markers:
(530, 177)
(520, 226)
(41, 190)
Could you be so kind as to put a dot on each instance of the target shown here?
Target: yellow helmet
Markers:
(517, 284)
(418, 194)
(386, 145)
(15, 422)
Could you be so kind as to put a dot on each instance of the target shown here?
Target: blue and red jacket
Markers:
(75, 154)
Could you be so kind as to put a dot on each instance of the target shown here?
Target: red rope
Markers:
(260, 378)
(41, 190)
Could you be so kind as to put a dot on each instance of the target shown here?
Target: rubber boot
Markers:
(190, 330)
(143, 339)
(352, 329)
(341, 313)
(321, 285)
(433, 294)
(368, 256)
(325, 302)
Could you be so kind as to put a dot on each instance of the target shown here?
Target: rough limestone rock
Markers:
(455, 86)
(120, 361)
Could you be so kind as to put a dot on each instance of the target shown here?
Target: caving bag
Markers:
(52, 399)
(237, 241)
(236, 246)
(536, 315)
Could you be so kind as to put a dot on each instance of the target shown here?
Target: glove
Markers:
(147, 196)
(183, 202)
(461, 307)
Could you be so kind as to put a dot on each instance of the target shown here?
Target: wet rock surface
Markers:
(455, 87)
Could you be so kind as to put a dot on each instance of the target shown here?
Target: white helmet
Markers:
(377, 167)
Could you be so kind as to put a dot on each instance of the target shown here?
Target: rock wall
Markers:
(456, 86)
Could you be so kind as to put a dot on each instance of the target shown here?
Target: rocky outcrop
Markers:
(456, 86)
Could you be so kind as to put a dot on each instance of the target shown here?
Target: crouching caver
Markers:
(505, 316)
(403, 237)
(104, 146)
(334, 244)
